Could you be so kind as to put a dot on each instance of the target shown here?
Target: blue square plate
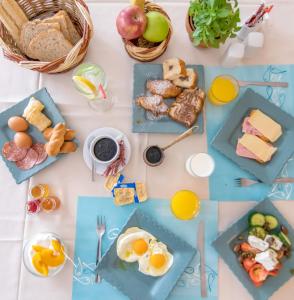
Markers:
(224, 246)
(142, 124)
(126, 277)
(227, 138)
(6, 134)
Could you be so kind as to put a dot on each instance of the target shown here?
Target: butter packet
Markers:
(125, 193)
(128, 193)
(112, 181)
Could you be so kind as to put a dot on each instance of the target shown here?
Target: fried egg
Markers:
(133, 243)
(157, 260)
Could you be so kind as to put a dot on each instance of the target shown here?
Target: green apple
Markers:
(157, 27)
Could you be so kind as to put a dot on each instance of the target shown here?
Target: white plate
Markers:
(100, 168)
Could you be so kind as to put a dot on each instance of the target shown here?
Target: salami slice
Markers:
(13, 153)
(29, 161)
(42, 154)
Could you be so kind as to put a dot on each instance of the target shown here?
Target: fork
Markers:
(245, 182)
(100, 229)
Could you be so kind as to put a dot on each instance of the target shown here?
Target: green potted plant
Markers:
(210, 23)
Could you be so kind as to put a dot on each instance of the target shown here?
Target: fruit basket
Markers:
(79, 15)
(149, 51)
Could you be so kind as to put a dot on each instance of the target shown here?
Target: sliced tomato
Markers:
(258, 273)
(248, 263)
(245, 247)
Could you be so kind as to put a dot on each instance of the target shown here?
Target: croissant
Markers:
(56, 140)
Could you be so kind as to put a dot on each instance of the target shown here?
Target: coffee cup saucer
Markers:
(104, 131)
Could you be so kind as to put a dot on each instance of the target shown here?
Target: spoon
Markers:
(154, 155)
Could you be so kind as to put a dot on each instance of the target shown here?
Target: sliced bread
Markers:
(74, 35)
(62, 22)
(31, 29)
(15, 12)
(9, 25)
(173, 68)
(49, 45)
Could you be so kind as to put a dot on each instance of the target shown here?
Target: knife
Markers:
(201, 249)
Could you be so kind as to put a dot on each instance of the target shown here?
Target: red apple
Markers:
(131, 22)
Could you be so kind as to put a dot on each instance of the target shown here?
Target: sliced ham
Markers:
(29, 161)
(42, 154)
(13, 153)
(248, 128)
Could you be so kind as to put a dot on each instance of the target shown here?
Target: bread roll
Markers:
(56, 140)
(68, 147)
(69, 134)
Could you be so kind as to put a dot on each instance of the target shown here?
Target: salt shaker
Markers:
(233, 55)
(254, 42)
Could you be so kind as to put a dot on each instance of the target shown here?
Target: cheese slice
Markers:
(265, 125)
(257, 146)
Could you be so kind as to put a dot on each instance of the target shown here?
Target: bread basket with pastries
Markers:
(49, 36)
(145, 29)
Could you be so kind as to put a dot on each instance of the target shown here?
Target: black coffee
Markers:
(154, 155)
(105, 149)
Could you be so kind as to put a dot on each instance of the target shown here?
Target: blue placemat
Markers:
(188, 287)
(221, 183)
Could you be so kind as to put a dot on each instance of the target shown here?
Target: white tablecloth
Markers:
(70, 177)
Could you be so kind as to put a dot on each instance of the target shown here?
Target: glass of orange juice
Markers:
(185, 205)
(223, 90)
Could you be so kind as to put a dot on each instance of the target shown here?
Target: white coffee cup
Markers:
(200, 165)
(92, 146)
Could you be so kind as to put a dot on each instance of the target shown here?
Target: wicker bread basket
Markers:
(79, 15)
(149, 54)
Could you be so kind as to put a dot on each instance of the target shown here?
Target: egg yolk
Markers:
(157, 260)
(140, 246)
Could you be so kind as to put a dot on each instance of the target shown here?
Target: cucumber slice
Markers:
(256, 219)
(285, 240)
(257, 231)
(271, 222)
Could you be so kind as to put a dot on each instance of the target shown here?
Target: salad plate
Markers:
(6, 134)
(227, 138)
(142, 121)
(125, 276)
(256, 277)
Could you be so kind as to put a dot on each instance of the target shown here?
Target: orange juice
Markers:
(185, 205)
(224, 89)
(40, 191)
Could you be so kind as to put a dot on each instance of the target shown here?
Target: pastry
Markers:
(253, 147)
(187, 106)
(33, 106)
(189, 81)
(10, 25)
(68, 147)
(56, 140)
(261, 125)
(164, 88)
(69, 134)
(173, 68)
(73, 33)
(15, 12)
(153, 104)
(34, 116)
(49, 46)
(30, 30)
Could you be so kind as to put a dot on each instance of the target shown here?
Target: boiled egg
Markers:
(23, 140)
(133, 243)
(157, 260)
(17, 124)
